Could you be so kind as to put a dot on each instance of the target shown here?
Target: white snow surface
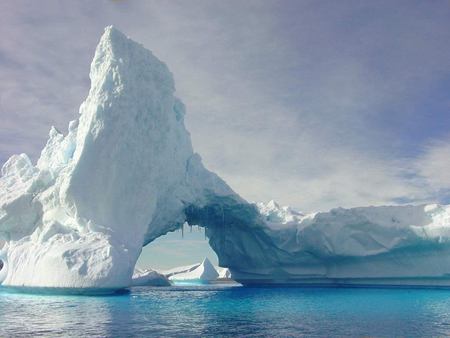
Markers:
(125, 173)
(279, 216)
(149, 277)
(204, 272)
(362, 231)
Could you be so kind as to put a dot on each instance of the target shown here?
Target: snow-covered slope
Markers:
(149, 278)
(205, 272)
(125, 173)
(122, 175)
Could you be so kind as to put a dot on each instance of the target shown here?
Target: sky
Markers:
(315, 104)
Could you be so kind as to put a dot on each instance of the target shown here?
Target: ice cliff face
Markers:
(125, 173)
(390, 245)
(122, 176)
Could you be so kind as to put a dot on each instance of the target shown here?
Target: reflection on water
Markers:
(225, 310)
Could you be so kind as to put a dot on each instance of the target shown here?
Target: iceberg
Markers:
(386, 245)
(205, 272)
(200, 271)
(125, 173)
(122, 175)
(149, 277)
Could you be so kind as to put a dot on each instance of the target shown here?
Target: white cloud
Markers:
(434, 165)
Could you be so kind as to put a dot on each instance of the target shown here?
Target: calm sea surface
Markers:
(229, 311)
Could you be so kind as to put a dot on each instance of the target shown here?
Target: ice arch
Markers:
(125, 173)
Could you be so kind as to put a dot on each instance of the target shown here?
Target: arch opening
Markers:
(184, 257)
(184, 246)
(229, 231)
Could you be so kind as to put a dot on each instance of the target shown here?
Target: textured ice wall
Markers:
(391, 245)
(120, 177)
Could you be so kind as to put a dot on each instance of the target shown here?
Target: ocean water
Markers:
(218, 311)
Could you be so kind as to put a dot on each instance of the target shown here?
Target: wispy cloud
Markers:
(432, 168)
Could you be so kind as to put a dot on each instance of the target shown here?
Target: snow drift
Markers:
(125, 173)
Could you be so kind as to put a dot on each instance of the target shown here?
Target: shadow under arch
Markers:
(236, 232)
(234, 229)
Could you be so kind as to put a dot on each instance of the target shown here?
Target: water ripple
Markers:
(229, 311)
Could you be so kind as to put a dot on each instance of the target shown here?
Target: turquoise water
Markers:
(230, 311)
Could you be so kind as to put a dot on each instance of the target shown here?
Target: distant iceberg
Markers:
(180, 269)
(125, 173)
(149, 277)
(204, 272)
